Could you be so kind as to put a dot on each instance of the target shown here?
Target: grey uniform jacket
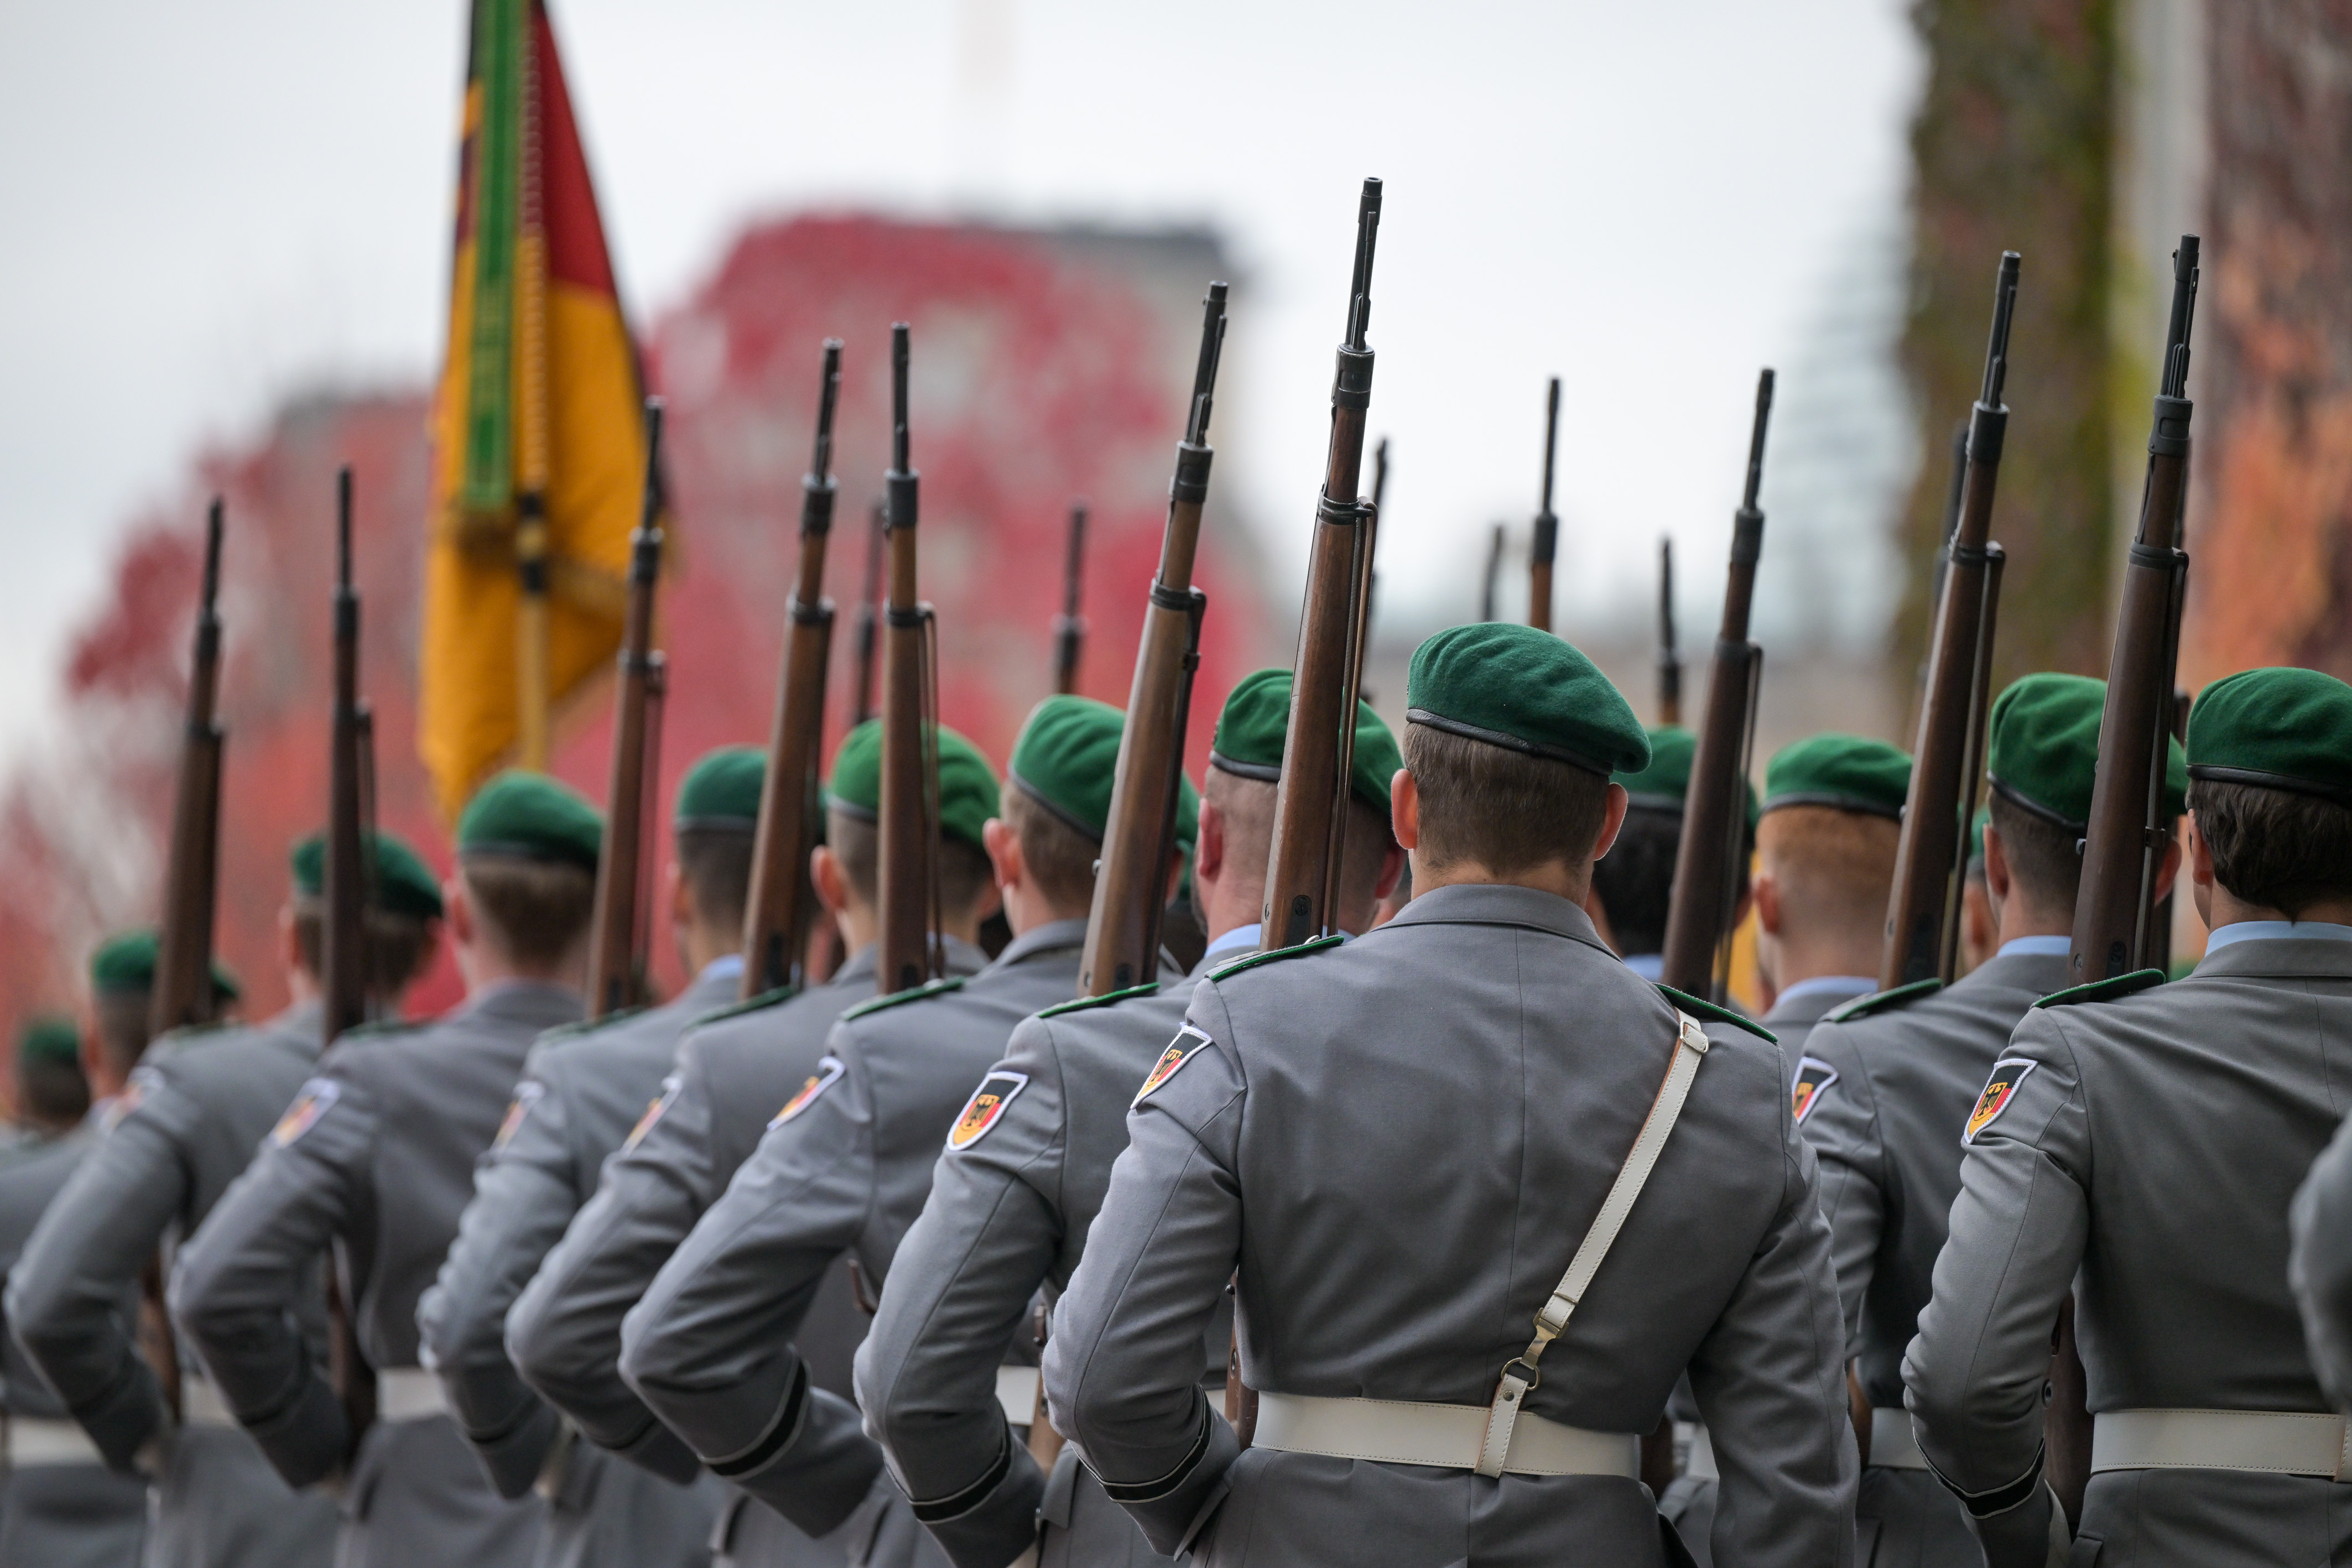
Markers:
(2151, 1141)
(1009, 1211)
(375, 1160)
(844, 1168)
(1400, 1143)
(198, 1106)
(1689, 1501)
(1885, 1088)
(582, 1089)
(2319, 1269)
(70, 1515)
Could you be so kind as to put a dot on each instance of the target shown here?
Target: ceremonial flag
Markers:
(538, 444)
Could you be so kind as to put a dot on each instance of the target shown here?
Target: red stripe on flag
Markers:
(575, 234)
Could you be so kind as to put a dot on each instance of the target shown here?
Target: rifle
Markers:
(1670, 659)
(1494, 572)
(1923, 920)
(1122, 945)
(1309, 803)
(1714, 827)
(877, 527)
(616, 942)
(909, 870)
(776, 912)
(183, 985)
(2123, 849)
(1070, 626)
(1547, 536)
(344, 982)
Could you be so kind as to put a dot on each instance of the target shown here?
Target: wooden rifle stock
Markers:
(1546, 544)
(1670, 658)
(1323, 691)
(909, 869)
(615, 956)
(1122, 945)
(776, 912)
(344, 982)
(183, 985)
(1714, 820)
(1070, 626)
(2123, 849)
(1922, 904)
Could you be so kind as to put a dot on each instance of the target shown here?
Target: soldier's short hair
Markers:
(714, 864)
(2043, 856)
(121, 1021)
(398, 945)
(54, 1093)
(2279, 849)
(1835, 867)
(534, 911)
(1503, 809)
(965, 872)
(1060, 859)
(1247, 807)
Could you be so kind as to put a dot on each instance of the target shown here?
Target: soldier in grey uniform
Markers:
(1632, 885)
(1887, 1082)
(197, 1108)
(1015, 1195)
(733, 1069)
(846, 1163)
(1825, 841)
(60, 1505)
(1400, 1143)
(2140, 1142)
(583, 1086)
(372, 1164)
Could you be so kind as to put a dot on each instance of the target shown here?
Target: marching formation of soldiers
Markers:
(1416, 1214)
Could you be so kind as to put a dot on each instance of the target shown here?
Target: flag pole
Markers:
(532, 680)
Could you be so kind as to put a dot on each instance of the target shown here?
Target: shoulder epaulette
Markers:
(1705, 1010)
(1149, 988)
(2105, 990)
(1251, 960)
(765, 999)
(900, 998)
(1880, 1001)
(579, 1027)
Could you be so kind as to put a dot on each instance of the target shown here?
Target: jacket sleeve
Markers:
(1769, 1378)
(961, 1288)
(1842, 1124)
(87, 1256)
(2320, 1266)
(563, 1332)
(1123, 1366)
(710, 1347)
(523, 1198)
(234, 1284)
(1973, 1376)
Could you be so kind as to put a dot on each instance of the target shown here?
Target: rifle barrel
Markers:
(909, 837)
(1670, 659)
(183, 991)
(1546, 546)
(1070, 627)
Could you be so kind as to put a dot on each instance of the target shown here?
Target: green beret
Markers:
(1250, 732)
(1529, 691)
(49, 1038)
(1843, 771)
(529, 816)
(2276, 728)
(1665, 784)
(722, 791)
(967, 783)
(1064, 757)
(2043, 753)
(125, 965)
(404, 884)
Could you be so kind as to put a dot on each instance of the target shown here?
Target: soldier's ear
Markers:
(1404, 810)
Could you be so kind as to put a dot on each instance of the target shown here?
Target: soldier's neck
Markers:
(1558, 878)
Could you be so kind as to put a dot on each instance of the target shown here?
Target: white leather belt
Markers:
(1016, 1391)
(1893, 1445)
(1698, 1451)
(38, 1441)
(2281, 1442)
(409, 1394)
(200, 1404)
(1398, 1432)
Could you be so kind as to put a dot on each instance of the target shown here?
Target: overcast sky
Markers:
(211, 207)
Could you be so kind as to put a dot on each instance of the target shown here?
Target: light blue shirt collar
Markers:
(1649, 966)
(1844, 984)
(2271, 930)
(1239, 936)
(726, 966)
(2036, 948)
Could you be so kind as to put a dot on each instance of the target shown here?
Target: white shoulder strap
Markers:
(1519, 1374)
